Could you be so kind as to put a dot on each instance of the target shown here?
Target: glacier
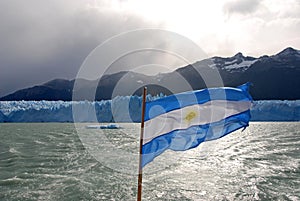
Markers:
(275, 110)
(123, 109)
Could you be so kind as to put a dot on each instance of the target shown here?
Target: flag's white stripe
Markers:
(198, 114)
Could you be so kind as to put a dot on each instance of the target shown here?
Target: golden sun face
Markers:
(190, 116)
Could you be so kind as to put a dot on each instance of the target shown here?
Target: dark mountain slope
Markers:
(273, 77)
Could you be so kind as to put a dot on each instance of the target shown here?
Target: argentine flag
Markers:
(182, 121)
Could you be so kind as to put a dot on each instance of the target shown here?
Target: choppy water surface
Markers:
(50, 162)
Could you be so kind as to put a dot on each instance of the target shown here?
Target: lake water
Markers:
(69, 162)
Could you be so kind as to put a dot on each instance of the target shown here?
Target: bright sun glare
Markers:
(191, 18)
(213, 27)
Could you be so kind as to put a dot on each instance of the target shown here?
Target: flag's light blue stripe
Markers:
(181, 140)
(173, 102)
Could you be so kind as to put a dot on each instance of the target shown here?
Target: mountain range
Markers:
(273, 77)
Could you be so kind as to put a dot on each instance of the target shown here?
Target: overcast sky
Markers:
(45, 39)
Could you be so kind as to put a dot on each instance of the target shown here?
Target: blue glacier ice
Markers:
(122, 109)
(272, 110)
(2, 117)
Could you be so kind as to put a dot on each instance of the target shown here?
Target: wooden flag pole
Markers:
(140, 179)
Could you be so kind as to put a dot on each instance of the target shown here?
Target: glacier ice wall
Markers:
(271, 110)
(121, 109)
(2, 117)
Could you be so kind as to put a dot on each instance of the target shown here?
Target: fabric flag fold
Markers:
(183, 121)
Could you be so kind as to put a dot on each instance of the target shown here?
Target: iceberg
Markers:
(109, 126)
(122, 109)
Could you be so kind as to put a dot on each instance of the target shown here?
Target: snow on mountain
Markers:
(287, 54)
(237, 63)
(234, 65)
(122, 109)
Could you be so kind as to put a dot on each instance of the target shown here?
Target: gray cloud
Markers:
(42, 40)
(241, 6)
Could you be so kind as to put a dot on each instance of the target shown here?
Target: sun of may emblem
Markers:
(190, 116)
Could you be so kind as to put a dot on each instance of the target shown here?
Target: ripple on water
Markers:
(49, 162)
